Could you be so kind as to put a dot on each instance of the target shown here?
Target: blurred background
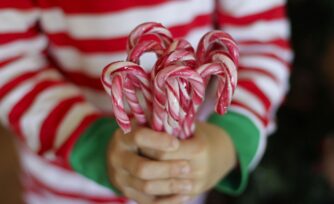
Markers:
(298, 166)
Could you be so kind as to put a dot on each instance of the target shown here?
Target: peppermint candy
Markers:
(168, 97)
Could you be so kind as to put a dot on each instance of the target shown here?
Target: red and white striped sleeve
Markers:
(45, 111)
(261, 30)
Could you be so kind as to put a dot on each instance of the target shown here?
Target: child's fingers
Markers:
(142, 198)
(130, 192)
(147, 138)
(147, 169)
(175, 199)
(187, 150)
(160, 187)
(139, 197)
(135, 190)
(156, 187)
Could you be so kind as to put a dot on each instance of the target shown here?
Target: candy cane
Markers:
(218, 54)
(166, 97)
(213, 41)
(123, 81)
(148, 37)
(180, 52)
(177, 81)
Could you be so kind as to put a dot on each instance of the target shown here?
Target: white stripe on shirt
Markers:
(266, 84)
(275, 67)
(261, 30)
(16, 94)
(14, 20)
(83, 26)
(71, 121)
(250, 100)
(29, 46)
(239, 8)
(284, 54)
(16, 68)
(92, 64)
(45, 102)
(71, 59)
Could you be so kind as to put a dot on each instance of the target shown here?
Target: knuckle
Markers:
(147, 187)
(160, 155)
(173, 186)
(179, 168)
(137, 135)
(140, 169)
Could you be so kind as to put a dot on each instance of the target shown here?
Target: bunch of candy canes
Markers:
(168, 97)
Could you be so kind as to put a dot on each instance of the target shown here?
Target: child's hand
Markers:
(211, 155)
(145, 180)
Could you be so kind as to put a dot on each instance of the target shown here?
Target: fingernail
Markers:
(185, 169)
(185, 188)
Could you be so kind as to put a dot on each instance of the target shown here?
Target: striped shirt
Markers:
(52, 53)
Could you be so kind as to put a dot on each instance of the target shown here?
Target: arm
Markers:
(262, 31)
(47, 113)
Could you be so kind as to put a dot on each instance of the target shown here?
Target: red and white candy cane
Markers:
(180, 52)
(167, 95)
(213, 41)
(180, 44)
(176, 83)
(148, 37)
(218, 55)
(124, 80)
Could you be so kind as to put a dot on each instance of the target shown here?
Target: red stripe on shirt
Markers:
(89, 45)
(83, 80)
(253, 88)
(23, 105)
(198, 21)
(268, 15)
(9, 37)
(63, 194)
(119, 44)
(272, 55)
(282, 43)
(11, 85)
(51, 124)
(264, 120)
(4, 63)
(98, 6)
(258, 70)
(16, 4)
(65, 150)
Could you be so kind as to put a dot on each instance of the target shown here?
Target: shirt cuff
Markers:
(89, 155)
(245, 136)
